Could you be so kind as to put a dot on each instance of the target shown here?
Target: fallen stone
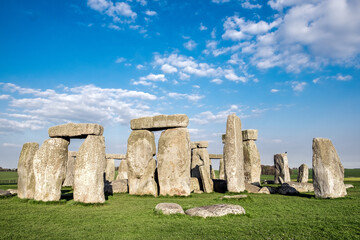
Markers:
(115, 156)
(281, 168)
(26, 177)
(281, 180)
(206, 180)
(286, 189)
(174, 159)
(328, 172)
(13, 191)
(50, 169)
(89, 171)
(160, 122)
(240, 196)
(70, 169)
(264, 190)
(251, 188)
(234, 158)
(252, 164)
(123, 170)
(4, 193)
(301, 187)
(76, 130)
(110, 170)
(201, 144)
(194, 184)
(349, 186)
(120, 186)
(220, 185)
(249, 134)
(198, 191)
(217, 210)
(169, 208)
(303, 174)
(141, 166)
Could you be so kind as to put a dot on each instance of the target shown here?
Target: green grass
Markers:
(8, 176)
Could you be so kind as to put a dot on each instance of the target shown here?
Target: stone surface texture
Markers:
(234, 157)
(160, 122)
(70, 169)
(252, 163)
(216, 210)
(221, 169)
(250, 134)
(194, 184)
(301, 187)
(303, 173)
(264, 190)
(281, 167)
(174, 159)
(115, 156)
(207, 182)
(50, 169)
(169, 208)
(251, 188)
(89, 171)
(200, 144)
(200, 157)
(123, 170)
(239, 196)
(141, 166)
(328, 172)
(76, 130)
(110, 170)
(120, 186)
(26, 177)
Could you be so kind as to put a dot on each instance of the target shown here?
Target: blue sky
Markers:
(288, 68)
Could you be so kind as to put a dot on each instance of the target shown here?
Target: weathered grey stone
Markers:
(251, 188)
(303, 174)
(240, 196)
(216, 210)
(70, 169)
(206, 180)
(198, 191)
(223, 137)
(123, 170)
(194, 184)
(252, 164)
(4, 193)
(286, 189)
(281, 167)
(169, 208)
(215, 156)
(26, 177)
(110, 170)
(200, 157)
(174, 159)
(13, 191)
(76, 130)
(349, 186)
(120, 186)
(328, 172)
(89, 171)
(115, 156)
(50, 169)
(264, 190)
(141, 166)
(250, 134)
(301, 187)
(221, 169)
(160, 122)
(234, 158)
(200, 144)
(212, 173)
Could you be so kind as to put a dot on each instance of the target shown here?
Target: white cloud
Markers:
(230, 75)
(190, 45)
(120, 60)
(11, 145)
(316, 80)
(249, 5)
(202, 27)
(139, 66)
(116, 11)
(274, 90)
(196, 86)
(113, 26)
(166, 68)
(154, 77)
(340, 77)
(150, 13)
(209, 117)
(190, 97)
(183, 76)
(142, 2)
(213, 33)
(220, 1)
(217, 81)
(298, 86)
(4, 97)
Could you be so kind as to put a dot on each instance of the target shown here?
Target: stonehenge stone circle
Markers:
(281, 168)
(160, 122)
(110, 170)
(141, 166)
(200, 158)
(252, 164)
(89, 171)
(76, 130)
(221, 164)
(70, 169)
(174, 159)
(234, 157)
(50, 169)
(26, 178)
(303, 174)
(328, 172)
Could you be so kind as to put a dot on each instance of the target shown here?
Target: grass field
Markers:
(132, 217)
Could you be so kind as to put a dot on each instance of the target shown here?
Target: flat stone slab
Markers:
(349, 186)
(169, 208)
(215, 156)
(217, 210)
(200, 144)
(76, 130)
(4, 193)
(240, 196)
(301, 187)
(250, 134)
(160, 122)
(264, 190)
(115, 156)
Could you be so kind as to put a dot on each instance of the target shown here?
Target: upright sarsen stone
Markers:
(328, 172)
(174, 158)
(26, 178)
(89, 171)
(233, 153)
(70, 169)
(252, 164)
(141, 165)
(110, 170)
(123, 170)
(50, 169)
(281, 167)
(303, 174)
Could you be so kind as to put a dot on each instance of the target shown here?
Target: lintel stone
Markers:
(215, 156)
(250, 134)
(200, 144)
(160, 122)
(76, 130)
(115, 156)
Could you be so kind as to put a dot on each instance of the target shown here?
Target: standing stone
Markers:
(233, 150)
(50, 169)
(212, 173)
(194, 184)
(252, 164)
(26, 179)
(281, 167)
(89, 171)
(207, 183)
(174, 159)
(200, 157)
(328, 172)
(110, 170)
(70, 169)
(221, 169)
(123, 170)
(141, 165)
(303, 173)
